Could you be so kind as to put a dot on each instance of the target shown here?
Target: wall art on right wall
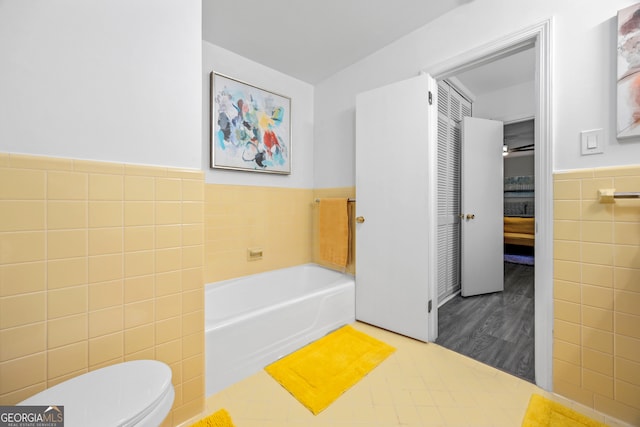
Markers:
(629, 71)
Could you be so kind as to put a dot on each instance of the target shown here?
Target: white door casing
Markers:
(482, 261)
(395, 138)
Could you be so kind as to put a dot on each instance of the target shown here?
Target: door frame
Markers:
(538, 36)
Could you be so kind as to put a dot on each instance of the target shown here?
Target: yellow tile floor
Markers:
(419, 385)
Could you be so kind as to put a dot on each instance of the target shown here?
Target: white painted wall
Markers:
(584, 55)
(215, 58)
(114, 80)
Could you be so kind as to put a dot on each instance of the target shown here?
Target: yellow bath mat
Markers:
(219, 418)
(319, 373)
(543, 412)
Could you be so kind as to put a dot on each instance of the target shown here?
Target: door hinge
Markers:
(429, 306)
(430, 98)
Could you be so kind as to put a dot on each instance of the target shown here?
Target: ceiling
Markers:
(508, 71)
(312, 40)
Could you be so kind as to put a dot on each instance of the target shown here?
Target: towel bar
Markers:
(627, 195)
(609, 194)
(348, 200)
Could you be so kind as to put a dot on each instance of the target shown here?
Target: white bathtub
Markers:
(254, 320)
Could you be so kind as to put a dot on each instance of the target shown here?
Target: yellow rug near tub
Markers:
(543, 412)
(319, 373)
(220, 418)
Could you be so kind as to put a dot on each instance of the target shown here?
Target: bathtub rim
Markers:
(223, 282)
(319, 312)
(341, 281)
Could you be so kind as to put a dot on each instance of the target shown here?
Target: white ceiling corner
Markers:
(312, 40)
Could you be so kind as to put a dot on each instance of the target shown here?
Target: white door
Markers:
(482, 261)
(395, 137)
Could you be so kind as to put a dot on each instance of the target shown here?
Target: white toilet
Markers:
(137, 393)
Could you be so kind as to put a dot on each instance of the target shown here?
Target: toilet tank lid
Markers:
(116, 395)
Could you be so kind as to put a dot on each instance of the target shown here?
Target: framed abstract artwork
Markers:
(250, 127)
(629, 72)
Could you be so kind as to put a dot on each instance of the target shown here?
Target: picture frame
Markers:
(250, 127)
(628, 68)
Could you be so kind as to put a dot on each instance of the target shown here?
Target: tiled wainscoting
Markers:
(100, 263)
(275, 220)
(282, 222)
(596, 357)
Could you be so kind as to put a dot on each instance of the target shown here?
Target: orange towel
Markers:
(334, 231)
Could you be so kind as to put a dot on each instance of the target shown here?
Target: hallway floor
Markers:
(496, 328)
(418, 385)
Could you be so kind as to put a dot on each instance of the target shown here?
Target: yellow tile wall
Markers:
(349, 192)
(276, 220)
(596, 357)
(100, 263)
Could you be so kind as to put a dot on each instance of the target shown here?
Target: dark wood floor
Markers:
(497, 328)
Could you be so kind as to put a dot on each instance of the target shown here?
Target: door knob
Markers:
(360, 219)
(471, 216)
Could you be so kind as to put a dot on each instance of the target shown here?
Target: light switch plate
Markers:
(592, 141)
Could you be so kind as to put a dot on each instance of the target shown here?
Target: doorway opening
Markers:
(495, 324)
(491, 322)
(537, 37)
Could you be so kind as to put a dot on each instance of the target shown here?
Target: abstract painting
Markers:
(629, 71)
(250, 127)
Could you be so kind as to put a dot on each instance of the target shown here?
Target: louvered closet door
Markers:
(451, 108)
